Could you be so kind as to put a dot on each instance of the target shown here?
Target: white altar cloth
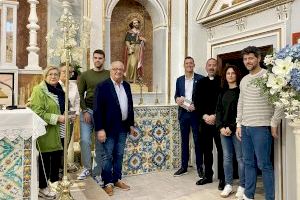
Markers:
(19, 130)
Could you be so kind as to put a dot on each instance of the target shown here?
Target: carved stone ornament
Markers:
(209, 16)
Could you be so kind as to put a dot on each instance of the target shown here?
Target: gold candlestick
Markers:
(66, 22)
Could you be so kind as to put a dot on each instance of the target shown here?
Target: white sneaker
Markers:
(239, 193)
(99, 181)
(46, 193)
(226, 191)
(246, 198)
(53, 186)
(84, 174)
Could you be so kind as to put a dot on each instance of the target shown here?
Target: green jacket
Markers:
(45, 104)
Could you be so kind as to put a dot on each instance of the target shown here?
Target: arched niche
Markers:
(159, 19)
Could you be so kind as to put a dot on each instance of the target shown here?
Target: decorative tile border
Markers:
(156, 145)
(15, 168)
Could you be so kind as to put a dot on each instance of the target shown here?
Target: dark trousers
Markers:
(51, 165)
(187, 121)
(208, 134)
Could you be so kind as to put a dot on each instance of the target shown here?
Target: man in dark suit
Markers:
(206, 95)
(114, 119)
(185, 86)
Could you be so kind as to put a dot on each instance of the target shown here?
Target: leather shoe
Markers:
(204, 181)
(200, 173)
(221, 184)
(109, 189)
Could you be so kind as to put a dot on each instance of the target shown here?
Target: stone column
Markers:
(296, 126)
(33, 57)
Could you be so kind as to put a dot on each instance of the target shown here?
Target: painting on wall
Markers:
(6, 88)
(296, 38)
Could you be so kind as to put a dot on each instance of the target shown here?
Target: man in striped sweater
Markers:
(254, 118)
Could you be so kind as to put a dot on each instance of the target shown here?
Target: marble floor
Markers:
(155, 186)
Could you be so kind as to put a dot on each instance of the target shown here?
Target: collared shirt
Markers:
(73, 95)
(122, 97)
(189, 84)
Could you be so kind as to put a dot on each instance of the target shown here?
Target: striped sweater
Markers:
(253, 108)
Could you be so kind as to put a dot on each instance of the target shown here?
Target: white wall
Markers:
(197, 37)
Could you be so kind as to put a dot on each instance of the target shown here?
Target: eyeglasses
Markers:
(54, 74)
(117, 69)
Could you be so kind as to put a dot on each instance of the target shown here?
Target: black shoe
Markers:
(204, 181)
(221, 184)
(200, 173)
(180, 172)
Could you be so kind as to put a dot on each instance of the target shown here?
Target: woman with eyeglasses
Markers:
(48, 101)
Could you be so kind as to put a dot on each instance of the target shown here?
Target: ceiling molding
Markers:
(234, 12)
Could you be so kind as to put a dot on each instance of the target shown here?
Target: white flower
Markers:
(275, 83)
(283, 67)
(269, 60)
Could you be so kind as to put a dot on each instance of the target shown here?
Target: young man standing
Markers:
(185, 87)
(254, 118)
(86, 86)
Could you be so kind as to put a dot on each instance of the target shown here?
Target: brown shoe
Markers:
(109, 190)
(122, 185)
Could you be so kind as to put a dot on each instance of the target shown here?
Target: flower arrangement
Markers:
(281, 84)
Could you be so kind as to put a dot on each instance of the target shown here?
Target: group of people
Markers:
(230, 111)
(227, 109)
(104, 98)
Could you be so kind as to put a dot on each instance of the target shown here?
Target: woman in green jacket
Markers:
(48, 101)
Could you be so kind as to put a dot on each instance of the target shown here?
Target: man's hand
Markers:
(132, 131)
(180, 100)
(191, 108)
(238, 133)
(87, 118)
(274, 132)
(209, 119)
(101, 136)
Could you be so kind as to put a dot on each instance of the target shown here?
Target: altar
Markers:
(156, 146)
(19, 130)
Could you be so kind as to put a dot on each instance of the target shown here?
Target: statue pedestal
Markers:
(136, 88)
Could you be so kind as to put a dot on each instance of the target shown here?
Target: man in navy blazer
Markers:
(114, 119)
(184, 96)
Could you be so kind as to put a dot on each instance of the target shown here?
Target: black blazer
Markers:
(107, 112)
(180, 89)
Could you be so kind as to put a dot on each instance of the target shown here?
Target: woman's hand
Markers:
(61, 119)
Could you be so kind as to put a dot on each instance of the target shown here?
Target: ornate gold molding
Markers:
(242, 13)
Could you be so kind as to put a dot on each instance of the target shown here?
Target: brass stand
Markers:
(66, 22)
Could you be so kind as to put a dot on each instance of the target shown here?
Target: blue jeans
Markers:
(257, 142)
(229, 145)
(86, 130)
(113, 157)
(187, 121)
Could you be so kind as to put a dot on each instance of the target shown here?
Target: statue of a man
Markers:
(134, 51)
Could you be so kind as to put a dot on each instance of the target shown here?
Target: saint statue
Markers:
(134, 51)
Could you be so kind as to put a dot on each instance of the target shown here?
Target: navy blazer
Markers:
(107, 111)
(180, 89)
